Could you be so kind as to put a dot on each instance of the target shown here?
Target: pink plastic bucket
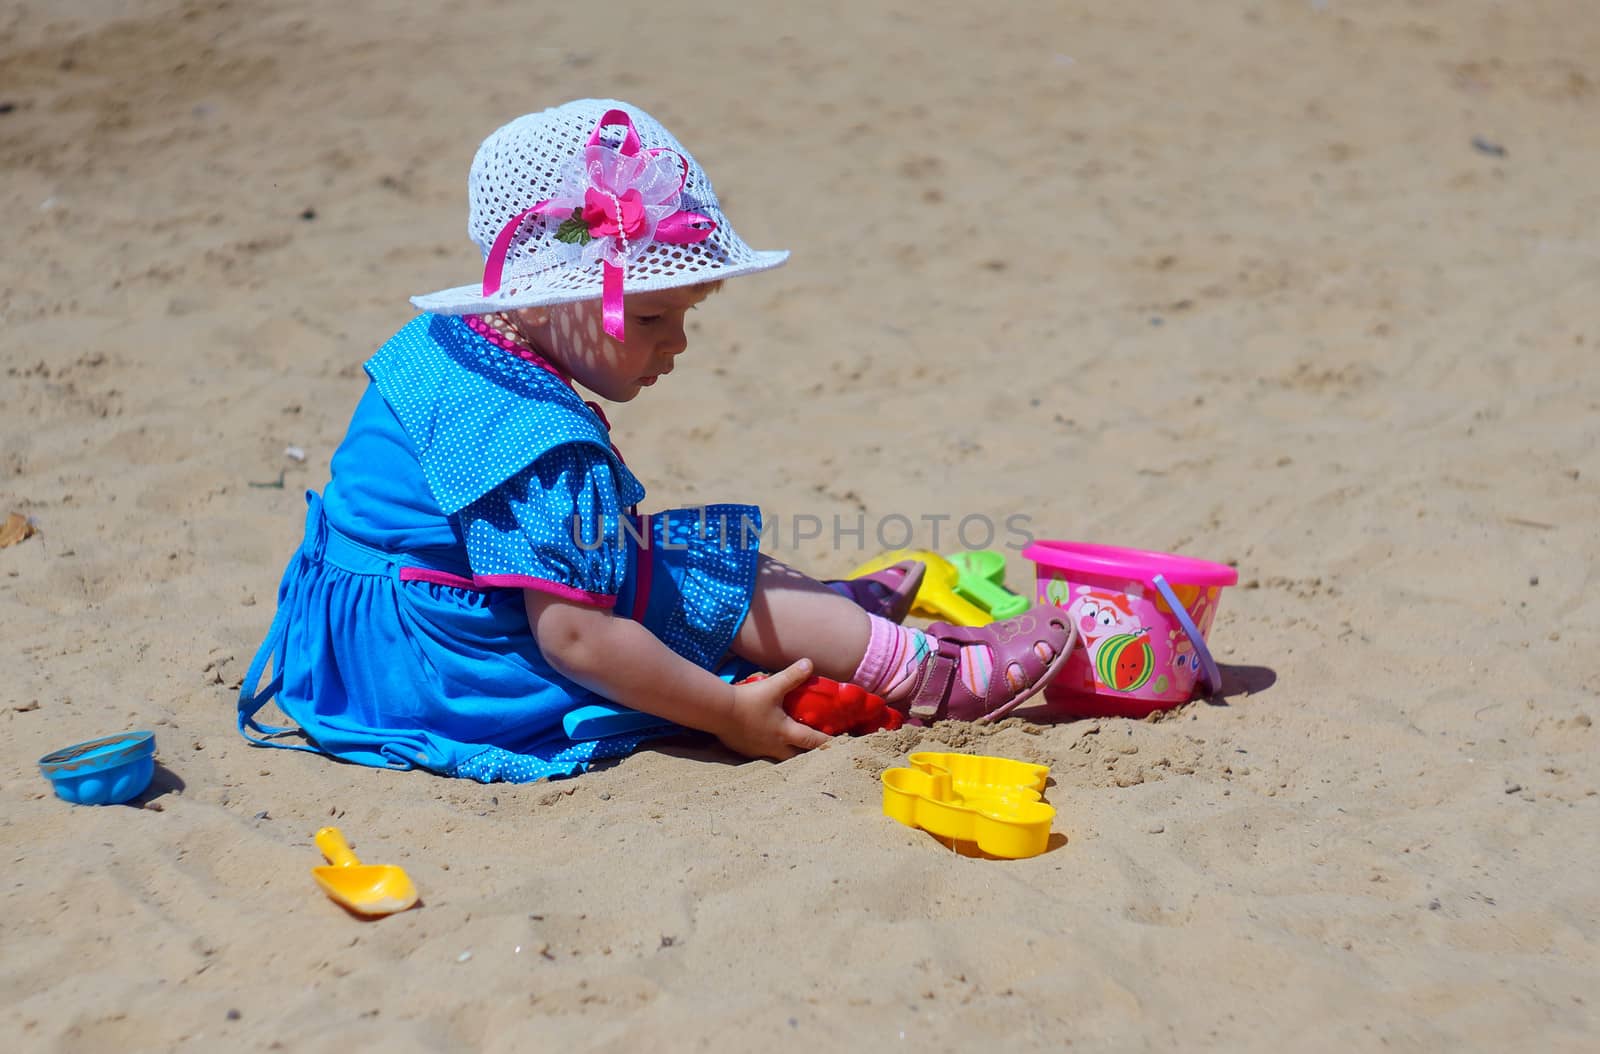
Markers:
(1137, 655)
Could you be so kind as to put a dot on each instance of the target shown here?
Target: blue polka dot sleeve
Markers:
(551, 527)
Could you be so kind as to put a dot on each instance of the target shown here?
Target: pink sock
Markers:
(896, 654)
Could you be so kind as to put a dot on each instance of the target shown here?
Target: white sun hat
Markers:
(583, 200)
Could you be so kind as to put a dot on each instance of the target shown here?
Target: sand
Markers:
(1231, 279)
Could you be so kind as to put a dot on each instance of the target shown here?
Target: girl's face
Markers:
(573, 337)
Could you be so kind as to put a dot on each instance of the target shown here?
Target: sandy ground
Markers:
(1225, 278)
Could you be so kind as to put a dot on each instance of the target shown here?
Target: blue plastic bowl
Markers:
(105, 771)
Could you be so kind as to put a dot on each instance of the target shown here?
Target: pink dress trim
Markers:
(482, 583)
(641, 593)
(582, 596)
(488, 332)
(438, 578)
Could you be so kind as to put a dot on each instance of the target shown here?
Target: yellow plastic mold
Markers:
(990, 802)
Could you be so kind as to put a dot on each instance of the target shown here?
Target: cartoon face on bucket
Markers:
(1100, 614)
(1185, 662)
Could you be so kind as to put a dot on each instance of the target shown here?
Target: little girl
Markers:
(476, 578)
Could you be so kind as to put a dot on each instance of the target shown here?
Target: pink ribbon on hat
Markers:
(618, 201)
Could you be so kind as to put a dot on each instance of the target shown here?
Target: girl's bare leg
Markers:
(796, 617)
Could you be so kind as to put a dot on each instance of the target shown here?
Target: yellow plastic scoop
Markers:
(367, 889)
(937, 599)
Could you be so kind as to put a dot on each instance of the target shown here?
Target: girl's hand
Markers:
(757, 727)
(619, 659)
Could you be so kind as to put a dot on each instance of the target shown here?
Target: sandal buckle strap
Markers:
(945, 666)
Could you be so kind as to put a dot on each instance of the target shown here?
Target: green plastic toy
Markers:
(980, 578)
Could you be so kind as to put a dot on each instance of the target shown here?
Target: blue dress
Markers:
(468, 475)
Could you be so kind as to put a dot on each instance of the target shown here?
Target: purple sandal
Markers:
(897, 587)
(941, 694)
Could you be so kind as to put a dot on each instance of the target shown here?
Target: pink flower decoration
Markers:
(600, 212)
(622, 198)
